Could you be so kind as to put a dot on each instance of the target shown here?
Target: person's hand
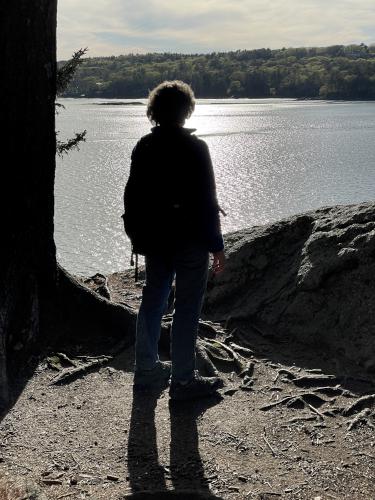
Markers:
(218, 263)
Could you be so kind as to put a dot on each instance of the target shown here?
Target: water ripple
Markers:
(272, 158)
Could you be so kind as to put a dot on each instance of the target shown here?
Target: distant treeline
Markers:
(335, 72)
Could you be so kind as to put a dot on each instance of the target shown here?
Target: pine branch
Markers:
(64, 75)
(73, 143)
(66, 72)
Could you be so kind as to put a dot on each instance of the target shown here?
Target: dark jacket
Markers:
(170, 197)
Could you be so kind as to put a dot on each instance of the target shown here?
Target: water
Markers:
(272, 158)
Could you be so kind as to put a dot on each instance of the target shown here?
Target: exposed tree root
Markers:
(68, 376)
(298, 401)
(101, 285)
(208, 329)
(60, 360)
(224, 355)
(83, 306)
(243, 351)
(360, 404)
(312, 381)
(336, 390)
(88, 314)
(306, 381)
(361, 417)
(247, 377)
(204, 363)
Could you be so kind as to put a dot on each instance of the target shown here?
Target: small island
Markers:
(116, 103)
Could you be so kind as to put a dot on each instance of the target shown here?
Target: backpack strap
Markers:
(136, 265)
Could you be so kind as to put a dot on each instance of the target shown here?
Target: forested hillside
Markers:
(335, 72)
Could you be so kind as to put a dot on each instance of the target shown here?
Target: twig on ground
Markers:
(298, 419)
(268, 443)
(315, 410)
(23, 466)
(51, 482)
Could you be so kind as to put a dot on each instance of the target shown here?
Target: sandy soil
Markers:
(96, 438)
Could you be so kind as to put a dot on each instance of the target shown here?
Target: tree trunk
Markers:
(27, 90)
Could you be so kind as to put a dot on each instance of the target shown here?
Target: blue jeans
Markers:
(190, 267)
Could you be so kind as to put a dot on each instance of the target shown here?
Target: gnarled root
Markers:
(88, 316)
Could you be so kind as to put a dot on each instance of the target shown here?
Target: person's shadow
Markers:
(144, 469)
(147, 478)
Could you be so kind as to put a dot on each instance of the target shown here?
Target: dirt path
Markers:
(95, 438)
(289, 430)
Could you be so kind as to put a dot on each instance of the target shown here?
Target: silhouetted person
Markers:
(172, 218)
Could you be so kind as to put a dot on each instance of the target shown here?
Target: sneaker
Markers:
(156, 377)
(198, 387)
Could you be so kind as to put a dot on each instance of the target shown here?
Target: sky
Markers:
(114, 27)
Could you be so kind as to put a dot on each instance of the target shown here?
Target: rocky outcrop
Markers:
(309, 277)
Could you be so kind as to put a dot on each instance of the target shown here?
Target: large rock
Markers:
(311, 277)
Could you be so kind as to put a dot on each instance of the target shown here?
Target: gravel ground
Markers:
(280, 436)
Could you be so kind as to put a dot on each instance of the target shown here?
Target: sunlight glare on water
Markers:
(272, 158)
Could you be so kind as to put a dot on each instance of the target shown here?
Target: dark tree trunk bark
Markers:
(39, 301)
(27, 92)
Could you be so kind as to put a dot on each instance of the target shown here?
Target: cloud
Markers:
(113, 27)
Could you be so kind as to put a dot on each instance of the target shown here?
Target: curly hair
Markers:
(170, 103)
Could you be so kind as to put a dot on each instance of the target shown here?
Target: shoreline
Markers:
(136, 99)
